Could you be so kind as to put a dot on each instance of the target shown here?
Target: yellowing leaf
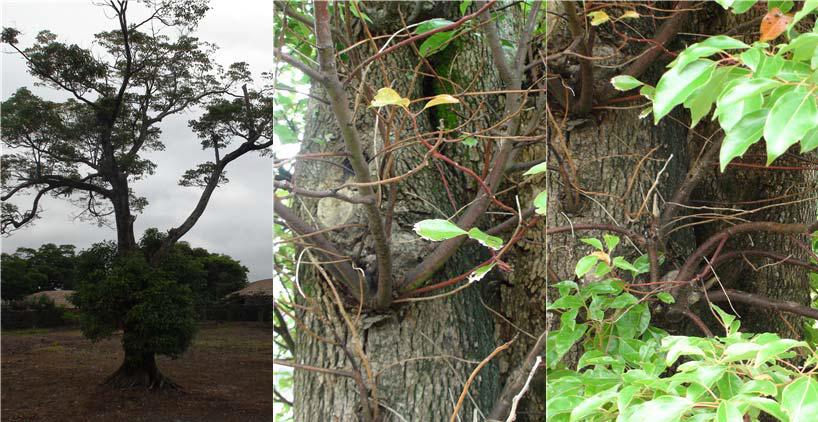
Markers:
(441, 99)
(598, 18)
(630, 14)
(388, 96)
(602, 256)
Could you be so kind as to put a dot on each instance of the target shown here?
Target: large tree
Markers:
(391, 327)
(90, 148)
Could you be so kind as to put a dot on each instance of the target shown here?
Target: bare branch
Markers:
(342, 270)
(516, 380)
(761, 301)
(352, 142)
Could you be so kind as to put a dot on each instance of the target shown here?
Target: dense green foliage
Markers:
(759, 90)
(629, 370)
(30, 270)
(210, 276)
(156, 309)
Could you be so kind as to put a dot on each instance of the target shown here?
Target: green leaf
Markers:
(431, 25)
(752, 58)
(621, 263)
(567, 302)
(486, 240)
(666, 297)
(759, 387)
(783, 5)
(810, 141)
(809, 7)
(745, 88)
(623, 300)
(731, 115)
(592, 404)
(701, 101)
(464, 5)
(469, 141)
(633, 322)
(792, 116)
(726, 319)
(741, 6)
(285, 134)
(648, 92)
(764, 404)
(729, 412)
(747, 132)
(725, 3)
(480, 272)
(706, 48)
(610, 241)
(678, 346)
(585, 264)
(596, 243)
(677, 84)
(435, 43)
(537, 169)
(800, 399)
(625, 82)
(541, 203)
(661, 409)
(741, 351)
(774, 350)
(438, 230)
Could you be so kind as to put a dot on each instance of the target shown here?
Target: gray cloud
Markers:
(238, 220)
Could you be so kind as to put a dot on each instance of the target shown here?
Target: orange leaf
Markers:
(773, 24)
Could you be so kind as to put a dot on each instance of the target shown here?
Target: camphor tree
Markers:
(427, 119)
(91, 147)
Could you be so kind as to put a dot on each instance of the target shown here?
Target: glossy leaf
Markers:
(792, 116)
(808, 7)
(729, 412)
(438, 230)
(480, 272)
(742, 136)
(541, 203)
(435, 43)
(484, 239)
(661, 409)
(585, 264)
(625, 82)
(800, 400)
(539, 168)
(677, 84)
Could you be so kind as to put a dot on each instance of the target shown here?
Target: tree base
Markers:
(143, 376)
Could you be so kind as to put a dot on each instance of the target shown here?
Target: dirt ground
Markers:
(55, 375)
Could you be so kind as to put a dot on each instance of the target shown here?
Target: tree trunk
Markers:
(615, 158)
(420, 353)
(139, 370)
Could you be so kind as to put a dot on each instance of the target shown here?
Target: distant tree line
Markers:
(210, 276)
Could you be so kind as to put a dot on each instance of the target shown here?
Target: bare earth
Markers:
(54, 375)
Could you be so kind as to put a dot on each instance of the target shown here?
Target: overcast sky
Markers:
(238, 220)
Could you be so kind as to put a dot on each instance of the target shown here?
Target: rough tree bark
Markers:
(614, 158)
(606, 167)
(422, 352)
